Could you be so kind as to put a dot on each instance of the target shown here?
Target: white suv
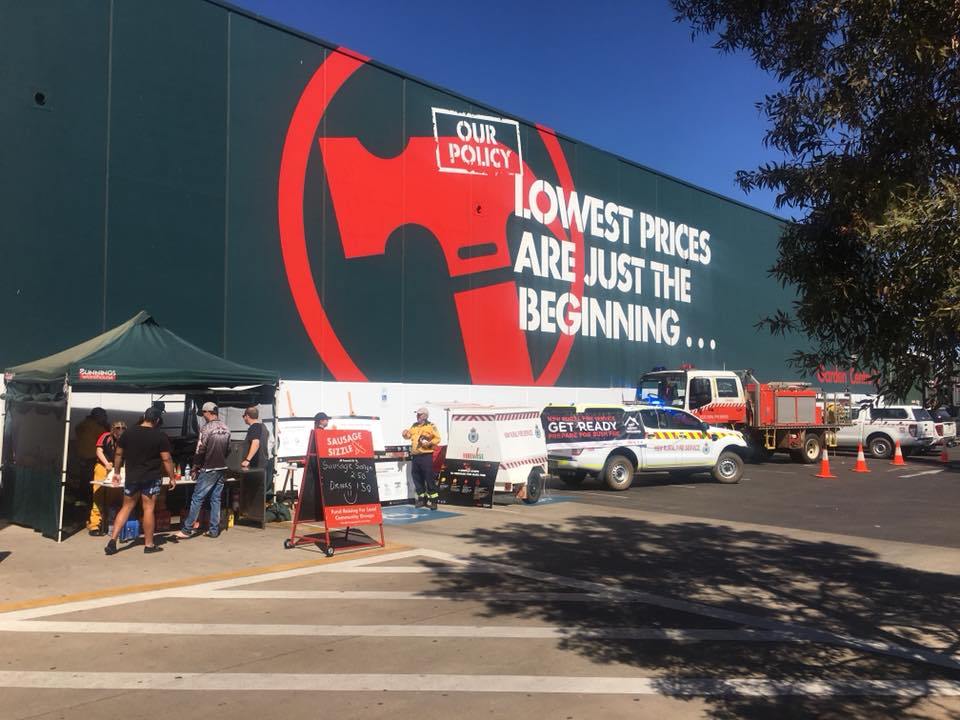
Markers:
(880, 427)
(615, 442)
(946, 426)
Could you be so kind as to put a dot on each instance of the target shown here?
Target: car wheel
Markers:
(729, 468)
(811, 449)
(618, 472)
(880, 446)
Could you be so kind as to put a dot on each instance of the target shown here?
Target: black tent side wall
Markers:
(32, 464)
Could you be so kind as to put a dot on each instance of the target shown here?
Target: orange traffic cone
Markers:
(825, 466)
(898, 456)
(861, 465)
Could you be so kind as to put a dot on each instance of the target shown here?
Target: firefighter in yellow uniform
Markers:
(106, 448)
(424, 437)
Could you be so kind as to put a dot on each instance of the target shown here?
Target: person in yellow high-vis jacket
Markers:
(424, 437)
(106, 448)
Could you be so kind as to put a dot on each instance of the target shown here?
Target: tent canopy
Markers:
(139, 356)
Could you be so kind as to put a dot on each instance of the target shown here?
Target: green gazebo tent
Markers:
(138, 356)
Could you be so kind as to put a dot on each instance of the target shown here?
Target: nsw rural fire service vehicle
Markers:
(615, 442)
(773, 417)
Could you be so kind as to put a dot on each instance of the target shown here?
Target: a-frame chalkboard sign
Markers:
(339, 488)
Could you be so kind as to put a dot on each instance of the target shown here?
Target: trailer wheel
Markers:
(328, 551)
(811, 449)
(618, 472)
(287, 544)
(534, 488)
(729, 468)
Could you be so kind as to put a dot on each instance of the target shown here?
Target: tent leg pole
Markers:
(3, 420)
(271, 482)
(63, 469)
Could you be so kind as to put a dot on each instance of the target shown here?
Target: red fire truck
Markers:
(774, 417)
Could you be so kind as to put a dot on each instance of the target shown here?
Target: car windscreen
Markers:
(666, 389)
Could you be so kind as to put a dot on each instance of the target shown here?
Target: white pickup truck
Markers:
(615, 442)
(879, 428)
(946, 427)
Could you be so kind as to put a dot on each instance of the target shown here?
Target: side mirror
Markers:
(705, 427)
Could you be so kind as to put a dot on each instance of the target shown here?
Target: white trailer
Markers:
(511, 437)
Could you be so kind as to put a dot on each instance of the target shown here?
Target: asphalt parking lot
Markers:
(786, 596)
(915, 503)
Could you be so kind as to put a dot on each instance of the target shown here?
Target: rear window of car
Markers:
(649, 418)
(888, 414)
(678, 420)
(921, 414)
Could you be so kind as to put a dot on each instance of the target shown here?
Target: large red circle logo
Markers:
(489, 337)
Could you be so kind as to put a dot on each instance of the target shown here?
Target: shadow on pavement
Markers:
(813, 585)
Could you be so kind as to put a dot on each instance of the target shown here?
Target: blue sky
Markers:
(622, 76)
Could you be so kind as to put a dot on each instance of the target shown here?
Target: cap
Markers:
(98, 412)
(209, 407)
(152, 414)
(423, 411)
(320, 416)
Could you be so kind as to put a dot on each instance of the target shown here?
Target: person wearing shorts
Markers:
(145, 450)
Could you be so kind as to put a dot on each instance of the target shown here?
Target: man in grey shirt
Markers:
(209, 465)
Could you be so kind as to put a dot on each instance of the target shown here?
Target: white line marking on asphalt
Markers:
(919, 654)
(404, 570)
(925, 472)
(490, 632)
(572, 597)
(809, 633)
(115, 600)
(528, 684)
